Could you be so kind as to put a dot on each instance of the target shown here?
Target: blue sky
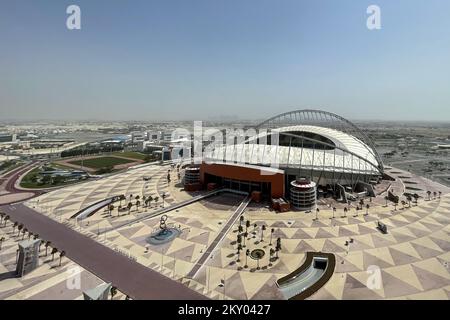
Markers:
(196, 59)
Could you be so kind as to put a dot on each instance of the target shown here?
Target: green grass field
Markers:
(130, 154)
(102, 162)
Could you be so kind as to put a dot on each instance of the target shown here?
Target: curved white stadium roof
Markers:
(349, 155)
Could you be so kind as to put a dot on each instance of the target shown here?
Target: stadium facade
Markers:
(326, 149)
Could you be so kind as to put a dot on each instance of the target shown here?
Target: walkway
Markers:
(132, 278)
(219, 238)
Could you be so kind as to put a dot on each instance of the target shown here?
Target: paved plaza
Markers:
(412, 258)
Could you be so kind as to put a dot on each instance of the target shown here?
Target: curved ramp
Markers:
(93, 208)
(309, 277)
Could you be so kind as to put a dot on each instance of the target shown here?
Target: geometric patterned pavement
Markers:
(412, 258)
(50, 281)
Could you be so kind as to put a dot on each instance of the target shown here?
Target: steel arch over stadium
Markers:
(322, 119)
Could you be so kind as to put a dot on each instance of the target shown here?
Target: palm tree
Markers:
(240, 229)
(129, 206)
(245, 234)
(317, 213)
(144, 201)
(163, 196)
(149, 199)
(1, 241)
(271, 235)
(440, 193)
(247, 253)
(408, 198)
(47, 244)
(247, 225)
(110, 208)
(61, 255)
(19, 228)
(367, 209)
(2, 214)
(122, 197)
(15, 225)
(5, 220)
(156, 199)
(254, 228)
(386, 198)
(278, 246)
(25, 230)
(239, 248)
(137, 197)
(241, 219)
(434, 194)
(271, 252)
(113, 292)
(263, 228)
(54, 250)
(138, 203)
(429, 195)
(345, 211)
(334, 211)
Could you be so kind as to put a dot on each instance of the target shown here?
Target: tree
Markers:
(24, 230)
(247, 253)
(245, 234)
(239, 248)
(271, 235)
(54, 250)
(113, 292)
(163, 196)
(241, 219)
(416, 197)
(144, 201)
(271, 253)
(5, 220)
(129, 206)
(386, 198)
(110, 208)
(1, 241)
(61, 255)
(317, 213)
(434, 194)
(247, 225)
(47, 244)
(345, 211)
(395, 203)
(149, 199)
(156, 199)
(408, 198)
(15, 225)
(278, 246)
(440, 193)
(429, 194)
(334, 211)
(20, 227)
(367, 209)
(121, 198)
(138, 203)
(240, 229)
(263, 228)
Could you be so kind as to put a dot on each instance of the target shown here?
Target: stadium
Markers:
(323, 152)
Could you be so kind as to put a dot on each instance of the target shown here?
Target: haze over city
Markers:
(173, 60)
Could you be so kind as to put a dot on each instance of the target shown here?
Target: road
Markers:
(132, 278)
(8, 181)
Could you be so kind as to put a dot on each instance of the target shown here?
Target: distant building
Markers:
(137, 137)
(6, 137)
(444, 146)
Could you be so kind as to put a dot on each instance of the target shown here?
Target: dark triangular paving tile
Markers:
(394, 287)
(444, 245)
(379, 241)
(322, 233)
(300, 234)
(371, 260)
(303, 247)
(330, 246)
(235, 287)
(344, 232)
(364, 230)
(418, 232)
(401, 258)
(429, 280)
(201, 238)
(184, 253)
(269, 291)
(400, 237)
(425, 252)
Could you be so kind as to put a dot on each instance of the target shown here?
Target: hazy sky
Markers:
(196, 59)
